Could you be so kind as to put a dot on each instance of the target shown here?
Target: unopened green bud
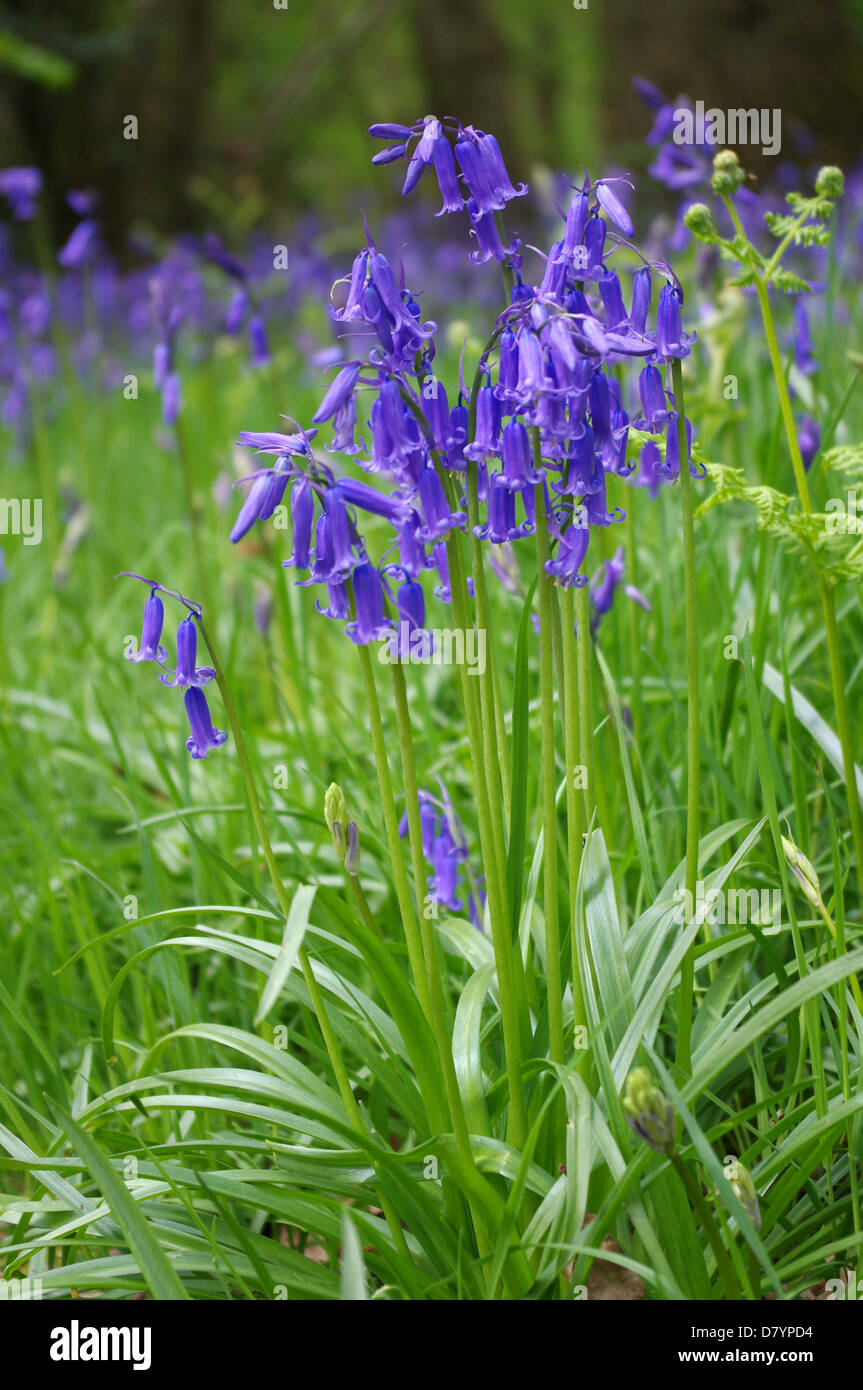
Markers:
(699, 220)
(335, 806)
(830, 182)
(336, 817)
(346, 838)
(803, 871)
(649, 1111)
(743, 1188)
(727, 173)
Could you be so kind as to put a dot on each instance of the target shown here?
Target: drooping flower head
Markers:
(187, 675)
(203, 736)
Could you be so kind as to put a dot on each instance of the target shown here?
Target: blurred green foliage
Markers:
(250, 112)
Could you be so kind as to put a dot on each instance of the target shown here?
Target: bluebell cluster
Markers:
(544, 422)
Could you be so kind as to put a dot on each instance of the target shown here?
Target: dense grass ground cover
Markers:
(171, 1119)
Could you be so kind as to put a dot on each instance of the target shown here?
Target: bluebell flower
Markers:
(390, 131)
(411, 605)
(613, 207)
(804, 355)
(172, 399)
(605, 582)
(253, 504)
(352, 309)
(258, 341)
(485, 174)
(596, 504)
(443, 590)
(338, 392)
(650, 474)
(565, 564)
(187, 673)
(271, 442)
(423, 153)
(580, 465)
(498, 179)
(489, 245)
(161, 364)
(517, 471)
(594, 241)
(670, 468)
(80, 249)
(369, 624)
(612, 299)
(671, 340)
(384, 282)
(653, 402)
(412, 555)
(446, 860)
(501, 526)
(322, 561)
(360, 494)
(203, 736)
(679, 166)
(641, 292)
(438, 518)
(569, 250)
(220, 256)
(447, 177)
(604, 586)
(338, 601)
(531, 370)
(302, 518)
(344, 430)
(237, 311)
(435, 408)
(446, 850)
(35, 314)
(486, 440)
(280, 476)
(154, 619)
(341, 536)
(809, 439)
(21, 186)
(390, 154)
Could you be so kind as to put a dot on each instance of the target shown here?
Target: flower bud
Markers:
(803, 871)
(700, 222)
(352, 853)
(343, 830)
(649, 1111)
(830, 182)
(727, 173)
(335, 806)
(743, 1188)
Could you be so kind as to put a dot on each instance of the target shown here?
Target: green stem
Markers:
(492, 706)
(687, 968)
(584, 678)
(391, 825)
(331, 1043)
(825, 588)
(430, 945)
(363, 905)
(723, 1263)
(831, 927)
(192, 512)
(505, 949)
(547, 597)
(575, 825)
